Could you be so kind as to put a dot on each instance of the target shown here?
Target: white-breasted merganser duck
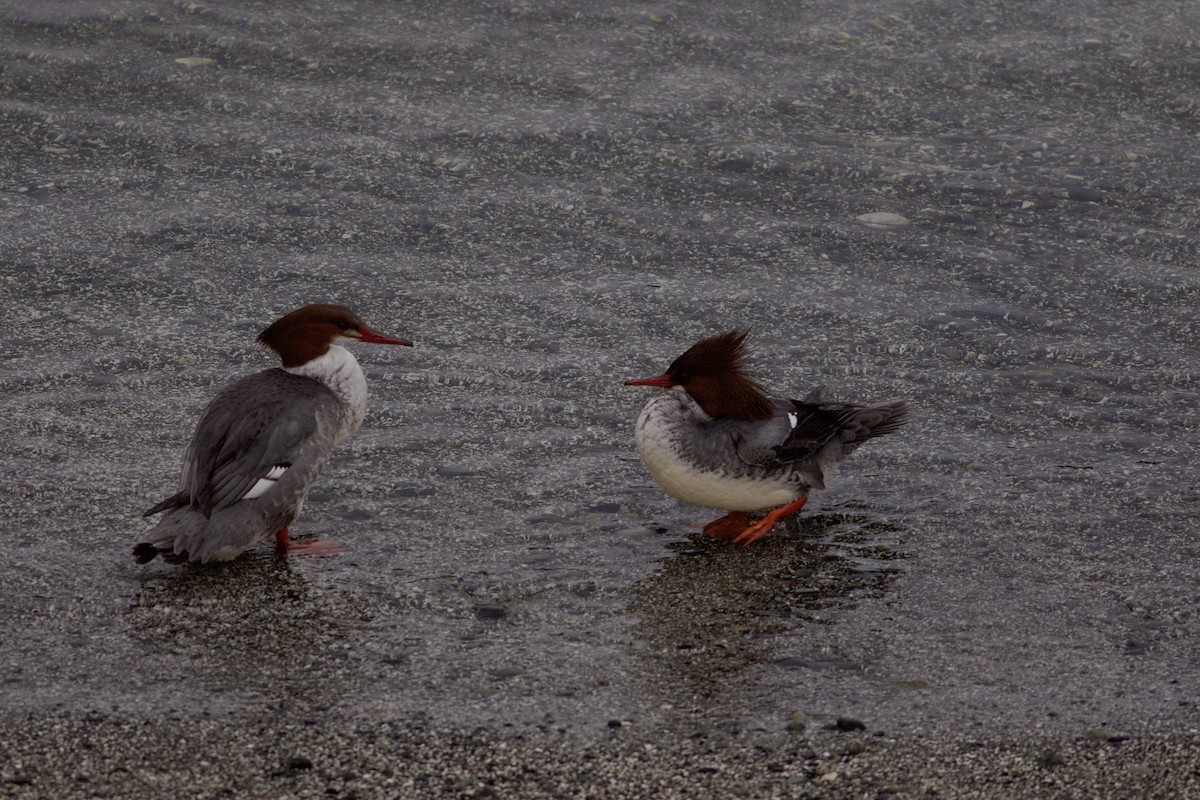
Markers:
(713, 438)
(263, 441)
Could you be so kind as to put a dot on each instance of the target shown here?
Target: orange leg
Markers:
(728, 526)
(317, 547)
(772, 519)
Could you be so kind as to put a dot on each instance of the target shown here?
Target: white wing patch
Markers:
(264, 484)
(792, 418)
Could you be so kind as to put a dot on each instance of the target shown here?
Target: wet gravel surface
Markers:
(985, 208)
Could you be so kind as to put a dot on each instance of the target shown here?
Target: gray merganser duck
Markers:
(713, 438)
(263, 441)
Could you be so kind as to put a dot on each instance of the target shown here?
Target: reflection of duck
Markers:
(252, 633)
(714, 439)
(263, 441)
(703, 617)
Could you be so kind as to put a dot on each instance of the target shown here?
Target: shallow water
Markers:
(549, 200)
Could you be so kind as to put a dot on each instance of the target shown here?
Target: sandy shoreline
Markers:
(97, 755)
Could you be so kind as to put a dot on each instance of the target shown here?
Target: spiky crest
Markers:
(714, 373)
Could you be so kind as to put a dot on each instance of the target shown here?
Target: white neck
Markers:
(338, 369)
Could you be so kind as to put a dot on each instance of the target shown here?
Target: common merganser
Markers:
(713, 438)
(263, 441)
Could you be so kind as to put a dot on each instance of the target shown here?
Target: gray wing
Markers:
(818, 422)
(757, 443)
(796, 432)
(801, 429)
(805, 437)
(254, 425)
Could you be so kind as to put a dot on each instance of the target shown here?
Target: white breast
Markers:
(660, 429)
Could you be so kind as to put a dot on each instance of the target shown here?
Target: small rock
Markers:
(507, 672)
(882, 220)
(1085, 194)
(798, 721)
(1050, 758)
(855, 747)
(191, 62)
(818, 664)
(491, 611)
(849, 724)
(614, 723)
(299, 762)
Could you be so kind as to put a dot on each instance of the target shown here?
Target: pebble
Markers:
(191, 62)
(882, 220)
(507, 672)
(849, 724)
(798, 721)
(491, 611)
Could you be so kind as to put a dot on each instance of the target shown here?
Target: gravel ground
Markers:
(98, 756)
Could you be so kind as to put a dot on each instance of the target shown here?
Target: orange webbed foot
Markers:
(765, 524)
(729, 526)
(315, 547)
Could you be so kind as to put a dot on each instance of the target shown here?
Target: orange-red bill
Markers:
(375, 337)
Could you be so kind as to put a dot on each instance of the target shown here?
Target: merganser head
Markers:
(307, 333)
(713, 372)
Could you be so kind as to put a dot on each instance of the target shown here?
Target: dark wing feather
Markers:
(242, 435)
(819, 422)
(815, 426)
(177, 500)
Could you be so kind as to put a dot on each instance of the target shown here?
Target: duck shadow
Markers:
(713, 610)
(246, 630)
